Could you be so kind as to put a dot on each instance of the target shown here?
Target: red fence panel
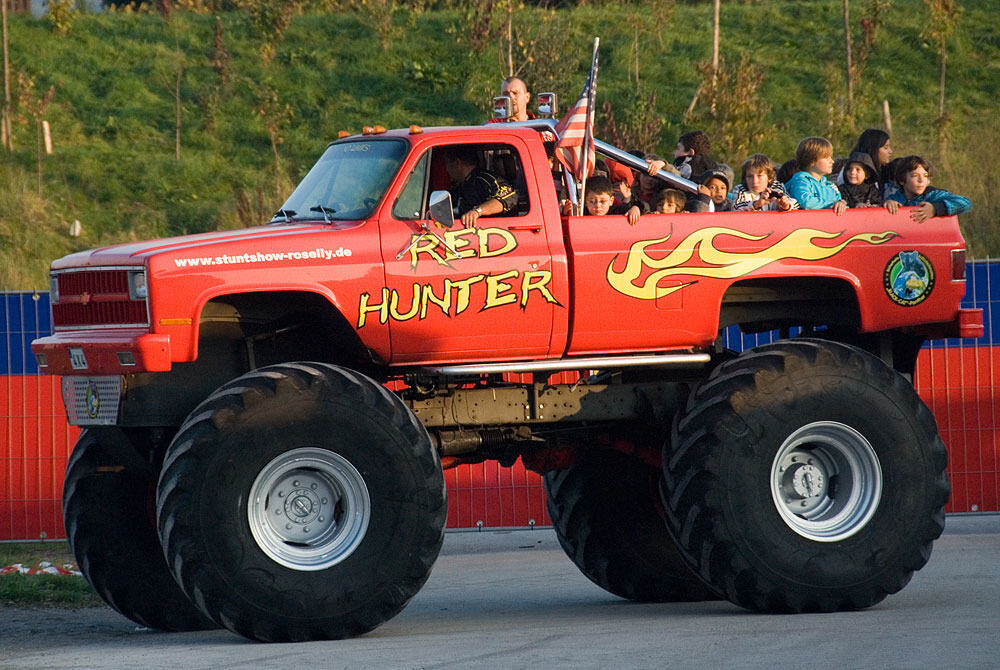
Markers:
(955, 378)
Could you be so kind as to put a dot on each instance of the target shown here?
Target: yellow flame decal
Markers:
(717, 264)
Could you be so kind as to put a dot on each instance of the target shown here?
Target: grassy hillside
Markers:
(250, 128)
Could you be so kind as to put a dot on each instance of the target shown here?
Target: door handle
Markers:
(533, 227)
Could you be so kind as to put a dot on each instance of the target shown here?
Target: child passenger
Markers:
(649, 184)
(691, 155)
(668, 201)
(599, 200)
(913, 175)
(861, 185)
(760, 189)
(875, 143)
(809, 186)
(715, 184)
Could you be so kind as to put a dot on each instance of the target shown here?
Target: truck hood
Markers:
(138, 253)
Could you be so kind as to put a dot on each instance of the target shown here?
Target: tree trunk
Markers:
(942, 118)
(177, 113)
(510, 38)
(715, 51)
(38, 148)
(944, 61)
(847, 58)
(5, 127)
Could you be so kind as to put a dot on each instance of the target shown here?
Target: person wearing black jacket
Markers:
(861, 186)
(475, 191)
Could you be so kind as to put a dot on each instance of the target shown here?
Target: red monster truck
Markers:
(243, 445)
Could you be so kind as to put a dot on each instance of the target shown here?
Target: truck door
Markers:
(489, 297)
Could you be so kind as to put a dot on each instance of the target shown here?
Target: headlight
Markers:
(53, 289)
(137, 285)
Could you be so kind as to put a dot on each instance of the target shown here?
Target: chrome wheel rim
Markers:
(826, 481)
(308, 509)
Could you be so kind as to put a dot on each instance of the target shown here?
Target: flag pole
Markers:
(588, 130)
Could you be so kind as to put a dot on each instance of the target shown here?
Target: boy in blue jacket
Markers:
(913, 174)
(809, 186)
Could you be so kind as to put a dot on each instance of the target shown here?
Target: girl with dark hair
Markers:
(875, 143)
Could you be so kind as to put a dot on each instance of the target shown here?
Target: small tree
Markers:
(739, 121)
(275, 114)
(268, 21)
(640, 124)
(61, 14)
(35, 105)
(942, 19)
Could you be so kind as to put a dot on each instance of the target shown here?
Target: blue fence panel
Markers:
(25, 316)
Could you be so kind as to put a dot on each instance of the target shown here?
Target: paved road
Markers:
(512, 599)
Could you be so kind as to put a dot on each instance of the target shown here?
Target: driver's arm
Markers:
(488, 208)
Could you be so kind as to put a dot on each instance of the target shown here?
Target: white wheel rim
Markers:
(308, 509)
(826, 481)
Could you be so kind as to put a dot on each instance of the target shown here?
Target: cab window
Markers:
(430, 174)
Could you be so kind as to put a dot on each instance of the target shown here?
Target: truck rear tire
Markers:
(806, 476)
(111, 528)
(301, 502)
(606, 514)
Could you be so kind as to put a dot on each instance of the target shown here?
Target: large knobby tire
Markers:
(805, 476)
(301, 502)
(111, 528)
(607, 517)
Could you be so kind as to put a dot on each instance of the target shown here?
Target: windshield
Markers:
(347, 182)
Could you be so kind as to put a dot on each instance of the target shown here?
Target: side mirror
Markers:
(440, 209)
(501, 107)
(547, 105)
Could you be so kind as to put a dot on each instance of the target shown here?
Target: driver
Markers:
(474, 191)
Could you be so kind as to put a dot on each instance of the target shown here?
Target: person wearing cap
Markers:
(715, 183)
(861, 184)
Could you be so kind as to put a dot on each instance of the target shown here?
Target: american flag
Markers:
(576, 129)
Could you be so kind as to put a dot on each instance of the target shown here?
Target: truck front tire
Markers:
(300, 502)
(111, 528)
(607, 517)
(805, 476)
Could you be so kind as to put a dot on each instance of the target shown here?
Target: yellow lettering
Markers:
(537, 281)
(426, 245)
(495, 290)
(414, 305)
(382, 308)
(463, 287)
(428, 295)
(458, 239)
(507, 237)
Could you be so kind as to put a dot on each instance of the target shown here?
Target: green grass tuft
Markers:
(17, 590)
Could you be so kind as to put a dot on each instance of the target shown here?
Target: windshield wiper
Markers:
(287, 213)
(327, 211)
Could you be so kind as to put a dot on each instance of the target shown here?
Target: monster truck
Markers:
(267, 412)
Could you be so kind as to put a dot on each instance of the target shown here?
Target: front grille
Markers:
(91, 401)
(91, 298)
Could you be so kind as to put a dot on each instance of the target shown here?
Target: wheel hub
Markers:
(826, 481)
(308, 509)
(304, 506)
(803, 481)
